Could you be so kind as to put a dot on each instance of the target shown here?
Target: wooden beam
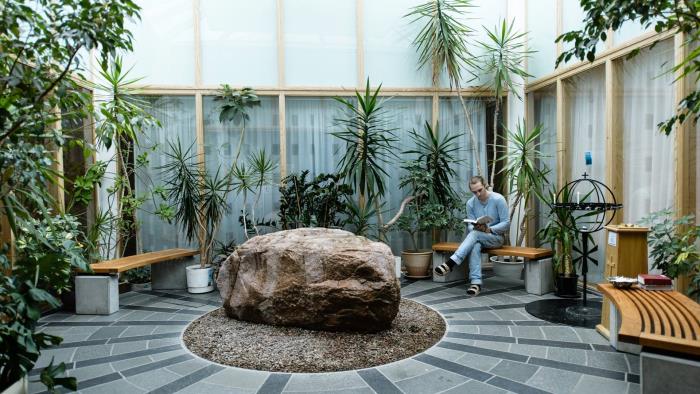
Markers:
(199, 128)
(562, 137)
(614, 151)
(283, 135)
(197, 43)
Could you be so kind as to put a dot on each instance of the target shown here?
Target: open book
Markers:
(481, 220)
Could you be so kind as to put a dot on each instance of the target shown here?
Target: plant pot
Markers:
(200, 280)
(68, 300)
(417, 263)
(19, 387)
(567, 286)
(508, 267)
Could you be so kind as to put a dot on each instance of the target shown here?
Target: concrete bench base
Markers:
(171, 275)
(667, 374)
(96, 294)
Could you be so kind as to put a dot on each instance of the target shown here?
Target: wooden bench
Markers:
(538, 264)
(98, 292)
(662, 326)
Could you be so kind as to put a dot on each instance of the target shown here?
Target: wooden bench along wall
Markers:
(97, 292)
(664, 326)
(538, 267)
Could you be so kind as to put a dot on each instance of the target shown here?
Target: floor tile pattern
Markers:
(492, 345)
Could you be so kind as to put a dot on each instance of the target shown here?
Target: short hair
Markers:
(477, 179)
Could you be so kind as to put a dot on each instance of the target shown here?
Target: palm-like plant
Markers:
(526, 178)
(369, 144)
(236, 104)
(442, 45)
(502, 62)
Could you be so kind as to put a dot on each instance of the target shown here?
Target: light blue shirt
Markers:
(495, 206)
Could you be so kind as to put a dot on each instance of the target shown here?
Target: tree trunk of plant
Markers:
(495, 140)
(472, 137)
(240, 143)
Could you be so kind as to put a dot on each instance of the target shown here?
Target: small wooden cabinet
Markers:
(625, 255)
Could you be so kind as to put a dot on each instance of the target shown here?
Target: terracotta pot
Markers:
(417, 262)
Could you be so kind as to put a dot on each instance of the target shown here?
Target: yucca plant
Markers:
(369, 143)
(234, 108)
(503, 63)
(251, 177)
(442, 46)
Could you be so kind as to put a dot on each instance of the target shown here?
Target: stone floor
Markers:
(492, 346)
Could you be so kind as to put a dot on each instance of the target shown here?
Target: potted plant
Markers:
(432, 204)
(673, 246)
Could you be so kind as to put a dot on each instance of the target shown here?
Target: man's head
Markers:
(476, 185)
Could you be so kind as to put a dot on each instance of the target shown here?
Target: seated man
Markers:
(483, 203)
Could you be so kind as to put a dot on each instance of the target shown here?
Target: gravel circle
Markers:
(218, 338)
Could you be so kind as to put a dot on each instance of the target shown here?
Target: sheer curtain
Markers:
(585, 98)
(545, 114)
(310, 145)
(648, 99)
(177, 117)
(452, 120)
(220, 144)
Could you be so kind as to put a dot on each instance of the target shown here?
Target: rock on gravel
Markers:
(315, 278)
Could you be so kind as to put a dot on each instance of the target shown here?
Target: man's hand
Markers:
(482, 227)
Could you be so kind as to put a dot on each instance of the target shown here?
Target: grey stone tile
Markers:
(164, 355)
(463, 328)
(482, 363)
(445, 354)
(275, 383)
(59, 355)
(163, 342)
(238, 378)
(70, 338)
(90, 352)
(474, 386)
(560, 333)
(633, 388)
(495, 330)
(633, 361)
(107, 332)
(527, 332)
(90, 372)
(118, 315)
(187, 367)
(528, 350)
(596, 385)
(79, 318)
(115, 387)
(325, 381)
(514, 386)
(130, 363)
(434, 381)
(497, 346)
(137, 330)
(510, 314)
(591, 336)
(573, 356)
(128, 347)
(404, 369)
(183, 317)
(152, 380)
(605, 360)
(83, 329)
(201, 387)
(158, 316)
(136, 315)
(554, 380)
(518, 372)
(485, 315)
(164, 329)
(56, 330)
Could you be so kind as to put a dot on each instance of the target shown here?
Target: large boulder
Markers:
(314, 278)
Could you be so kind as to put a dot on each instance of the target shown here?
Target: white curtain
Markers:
(648, 99)
(177, 117)
(545, 114)
(310, 145)
(220, 145)
(585, 98)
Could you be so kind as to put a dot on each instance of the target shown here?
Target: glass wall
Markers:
(647, 99)
(177, 117)
(585, 115)
(542, 31)
(221, 141)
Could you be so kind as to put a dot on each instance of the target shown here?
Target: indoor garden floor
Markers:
(491, 345)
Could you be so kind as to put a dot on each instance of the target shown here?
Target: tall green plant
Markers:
(442, 46)
(369, 145)
(503, 63)
(526, 177)
(321, 199)
(40, 44)
(251, 177)
(234, 108)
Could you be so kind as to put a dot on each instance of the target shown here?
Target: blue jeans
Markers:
(471, 246)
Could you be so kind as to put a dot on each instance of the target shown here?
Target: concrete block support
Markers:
(96, 294)
(667, 374)
(171, 275)
(459, 272)
(538, 276)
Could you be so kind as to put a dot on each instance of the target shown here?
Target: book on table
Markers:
(654, 280)
(481, 220)
(656, 287)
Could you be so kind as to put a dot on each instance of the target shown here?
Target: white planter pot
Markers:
(504, 267)
(19, 387)
(200, 280)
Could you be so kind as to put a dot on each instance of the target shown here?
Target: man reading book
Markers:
(483, 203)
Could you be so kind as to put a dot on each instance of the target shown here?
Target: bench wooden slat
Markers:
(665, 320)
(126, 263)
(528, 253)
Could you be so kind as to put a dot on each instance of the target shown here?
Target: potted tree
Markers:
(432, 203)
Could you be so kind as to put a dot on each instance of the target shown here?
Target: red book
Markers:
(654, 279)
